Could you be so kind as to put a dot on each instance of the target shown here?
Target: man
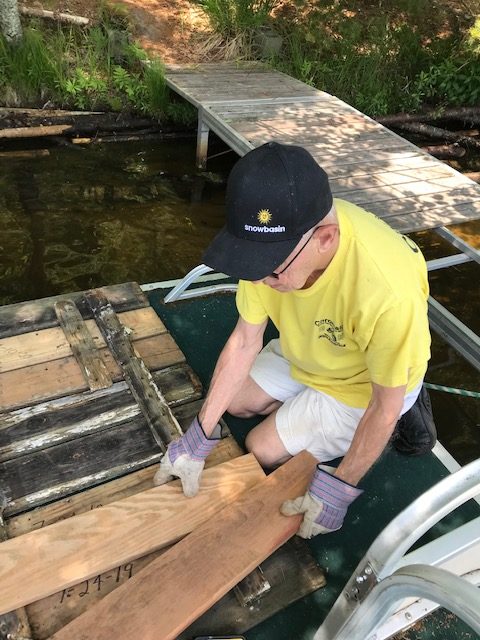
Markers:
(348, 296)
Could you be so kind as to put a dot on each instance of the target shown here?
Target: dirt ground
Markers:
(175, 30)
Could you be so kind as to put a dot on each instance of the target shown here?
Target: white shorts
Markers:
(309, 419)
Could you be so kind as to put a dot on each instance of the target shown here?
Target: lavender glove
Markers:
(185, 458)
(324, 505)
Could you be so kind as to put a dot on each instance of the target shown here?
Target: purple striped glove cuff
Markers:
(336, 496)
(194, 443)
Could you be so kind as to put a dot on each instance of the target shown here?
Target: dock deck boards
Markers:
(368, 164)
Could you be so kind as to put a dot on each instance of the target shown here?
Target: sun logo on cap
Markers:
(264, 216)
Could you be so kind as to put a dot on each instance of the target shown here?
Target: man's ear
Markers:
(326, 235)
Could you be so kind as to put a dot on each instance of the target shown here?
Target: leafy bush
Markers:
(95, 68)
(386, 60)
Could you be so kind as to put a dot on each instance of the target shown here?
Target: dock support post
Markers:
(202, 141)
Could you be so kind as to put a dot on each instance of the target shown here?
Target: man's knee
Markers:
(266, 446)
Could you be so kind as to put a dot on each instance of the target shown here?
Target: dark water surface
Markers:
(106, 214)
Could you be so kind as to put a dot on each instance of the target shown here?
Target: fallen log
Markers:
(445, 151)
(79, 121)
(466, 114)
(34, 132)
(34, 153)
(439, 133)
(54, 15)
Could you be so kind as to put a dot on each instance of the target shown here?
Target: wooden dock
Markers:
(367, 164)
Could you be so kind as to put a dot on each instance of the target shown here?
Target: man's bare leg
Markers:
(263, 441)
(265, 444)
(252, 400)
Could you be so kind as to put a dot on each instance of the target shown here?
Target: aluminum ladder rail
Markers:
(355, 605)
(179, 291)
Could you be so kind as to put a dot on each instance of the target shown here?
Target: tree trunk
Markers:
(10, 21)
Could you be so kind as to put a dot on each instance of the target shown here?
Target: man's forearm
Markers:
(230, 373)
(371, 438)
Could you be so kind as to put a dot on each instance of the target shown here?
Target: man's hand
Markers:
(324, 505)
(185, 458)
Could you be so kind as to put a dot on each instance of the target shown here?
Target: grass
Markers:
(381, 56)
(98, 68)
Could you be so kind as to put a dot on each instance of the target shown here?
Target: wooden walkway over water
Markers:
(367, 164)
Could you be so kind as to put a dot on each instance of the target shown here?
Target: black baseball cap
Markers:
(275, 194)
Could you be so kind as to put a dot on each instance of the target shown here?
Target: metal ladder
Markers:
(385, 576)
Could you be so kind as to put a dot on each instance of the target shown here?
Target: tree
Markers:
(10, 21)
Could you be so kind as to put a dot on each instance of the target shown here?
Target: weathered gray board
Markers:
(247, 107)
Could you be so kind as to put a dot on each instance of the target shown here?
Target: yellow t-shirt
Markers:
(364, 320)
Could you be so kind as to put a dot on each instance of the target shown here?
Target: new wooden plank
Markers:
(104, 494)
(12, 623)
(149, 398)
(57, 378)
(33, 428)
(50, 614)
(82, 345)
(33, 315)
(201, 568)
(51, 344)
(292, 573)
(61, 555)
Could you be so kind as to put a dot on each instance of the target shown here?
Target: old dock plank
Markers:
(48, 380)
(36, 347)
(105, 493)
(34, 315)
(155, 409)
(82, 345)
(201, 568)
(62, 470)
(41, 426)
(56, 557)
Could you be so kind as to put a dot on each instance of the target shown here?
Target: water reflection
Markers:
(110, 213)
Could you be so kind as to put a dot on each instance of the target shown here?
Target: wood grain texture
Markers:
(248, 108)
(52, 344)
(48, 380)
(45, 561)
(82, 345)
(34, 315)
(33, 428)
(148, 396)
(64, 469)
(106, 493)
(175, 589)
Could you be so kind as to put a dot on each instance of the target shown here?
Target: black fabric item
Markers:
(275, 194)
(415, 432)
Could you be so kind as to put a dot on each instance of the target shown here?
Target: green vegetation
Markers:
(381, 56)
(95, 68)
(231, 18)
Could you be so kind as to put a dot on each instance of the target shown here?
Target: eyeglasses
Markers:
(277, 274)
